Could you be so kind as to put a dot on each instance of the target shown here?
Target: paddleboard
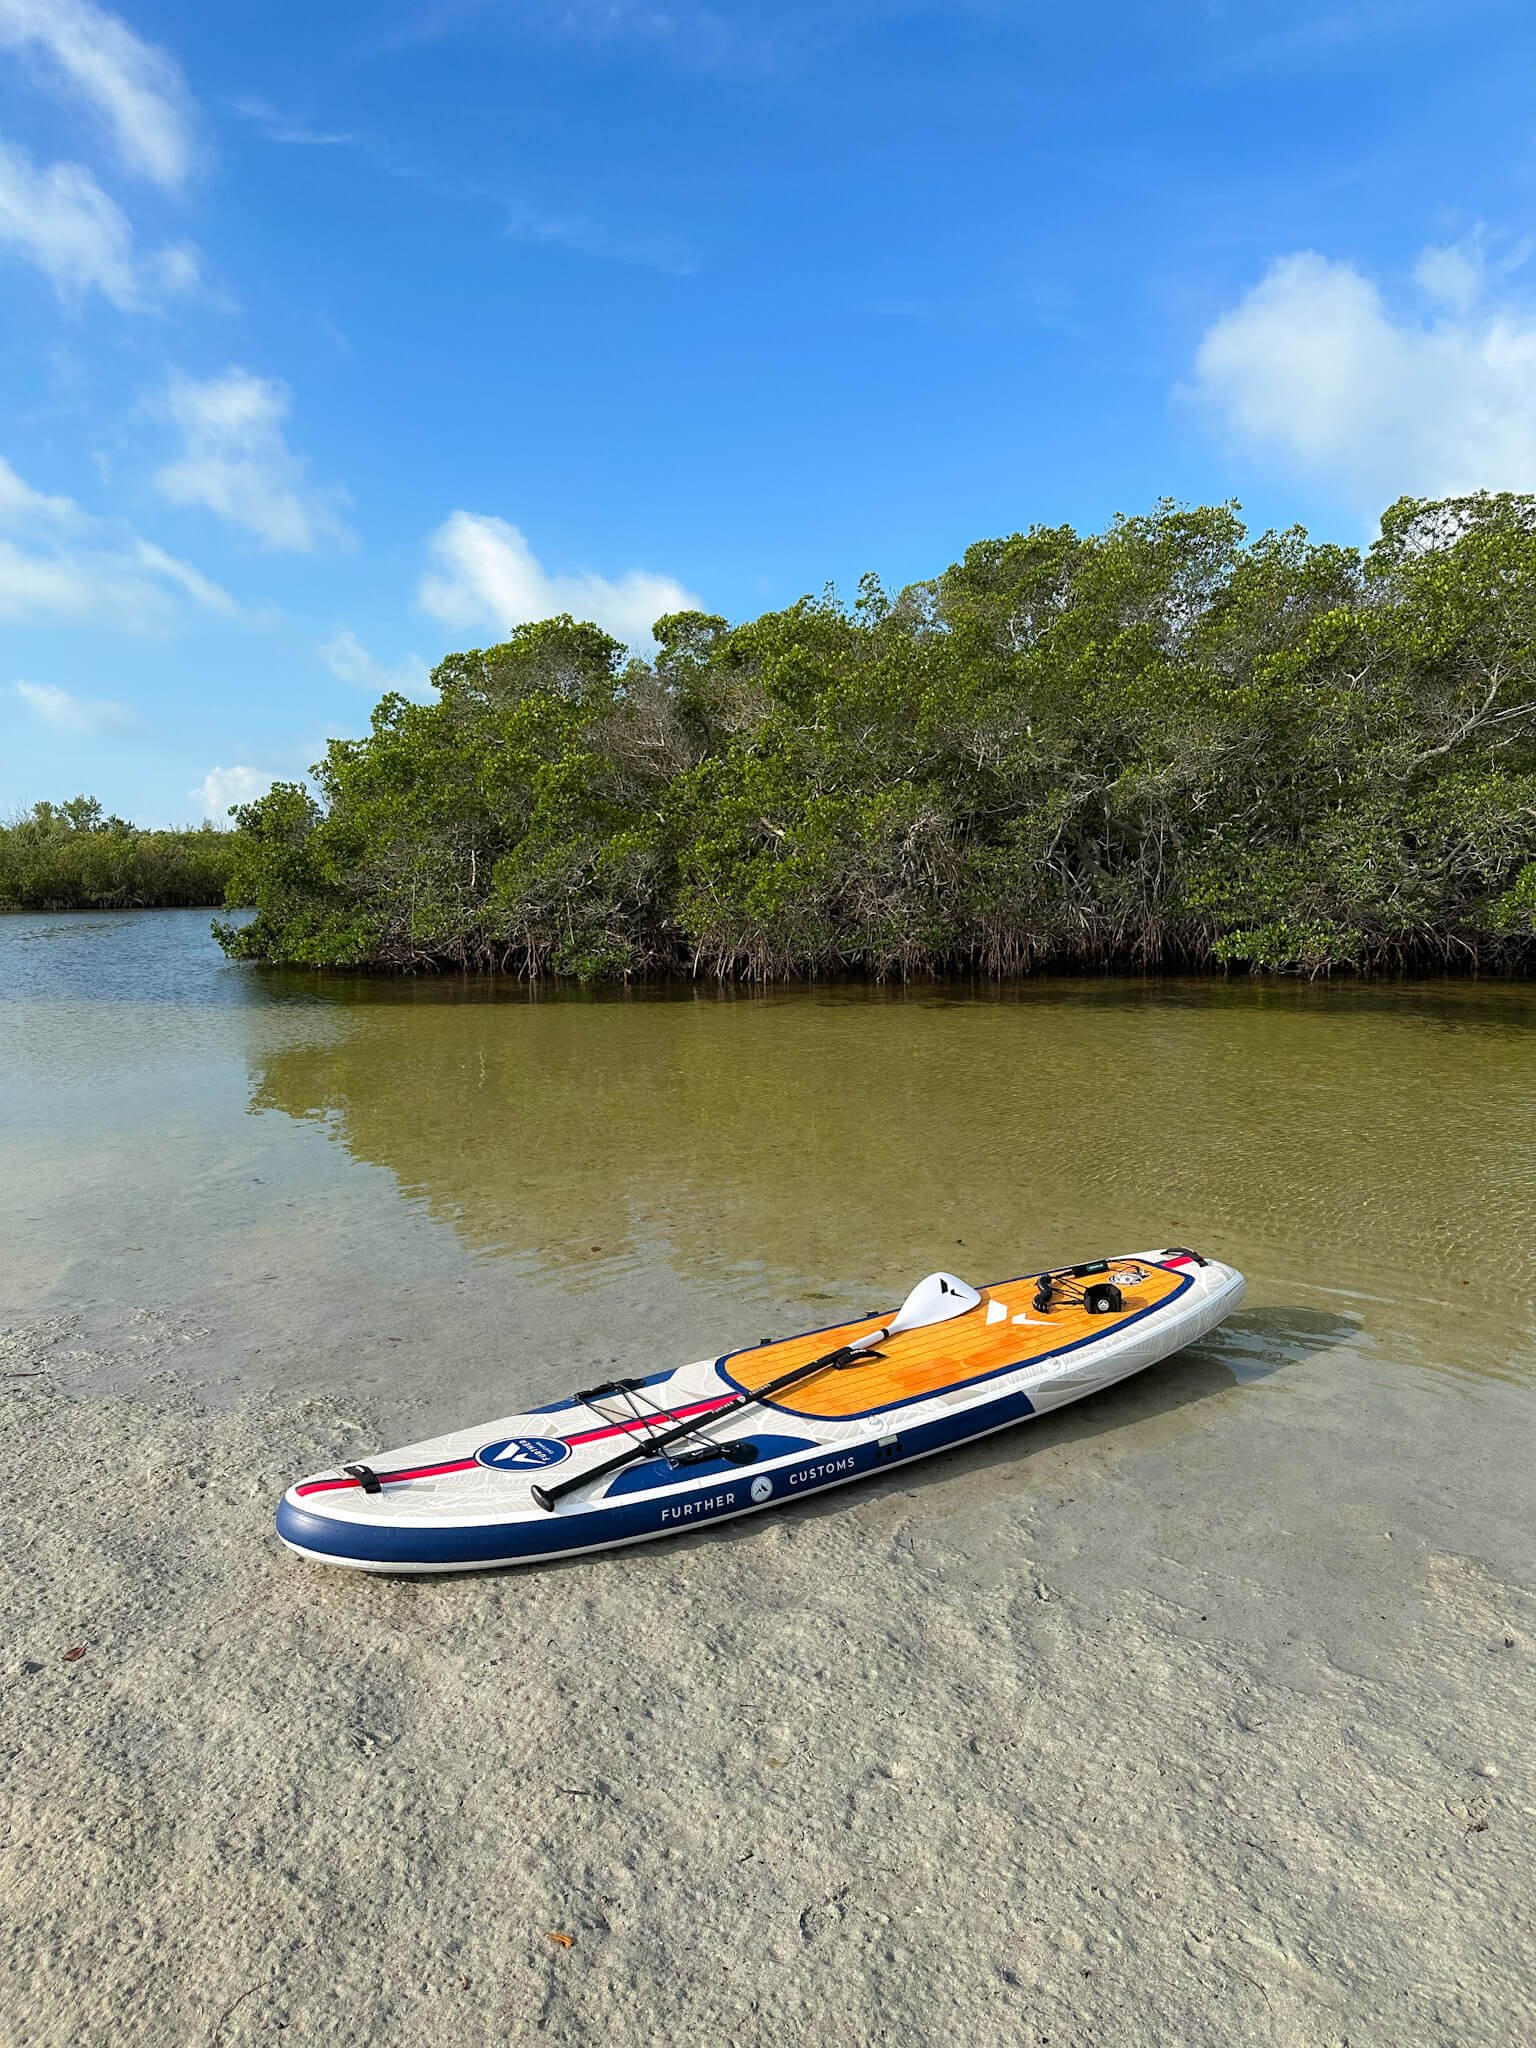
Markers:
(778, 1421)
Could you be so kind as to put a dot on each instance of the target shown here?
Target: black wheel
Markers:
(1103, 1299)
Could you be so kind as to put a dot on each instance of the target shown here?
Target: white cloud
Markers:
(136, 89)
(61, 220)
(237, 464)
(41, 587)
(57, 707)
(19, 502)
(1435, 396)
(89, 571)
(485, 574)
(175, 269)
(119, 587)
(347, 658)
(1453, 276)
(200, 588)
(221, 787)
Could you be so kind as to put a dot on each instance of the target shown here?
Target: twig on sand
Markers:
(224, 2017)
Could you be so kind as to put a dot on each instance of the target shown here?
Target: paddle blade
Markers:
(937, 1299)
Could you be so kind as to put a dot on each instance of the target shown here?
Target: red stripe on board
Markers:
(392, 1478)
(590, 1436)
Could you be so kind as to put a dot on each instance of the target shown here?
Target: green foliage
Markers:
(1161, 745)
(72, 856)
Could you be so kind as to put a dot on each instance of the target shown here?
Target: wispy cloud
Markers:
(1271, 36)
(84, 53)
(60, 220)
(122, 588)
(276, 126)
(66, 713)
(484, 574)
(76, 570)
(348, 659)
(524, 217)
(608, 20)
(586, 238)
(200, 588)
(1432, 390)
(701, 37)
(236, 463)
(428, 24)
(20, 503)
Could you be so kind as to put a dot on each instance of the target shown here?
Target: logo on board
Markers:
(522, 1453)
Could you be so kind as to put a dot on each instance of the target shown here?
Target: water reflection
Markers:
(1346, 1147)
(346, 1168)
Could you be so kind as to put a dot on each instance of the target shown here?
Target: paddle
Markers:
(938, 1299)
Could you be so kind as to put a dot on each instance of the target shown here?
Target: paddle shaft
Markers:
(546, 1496)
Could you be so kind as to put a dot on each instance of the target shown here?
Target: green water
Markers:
(424, 1190)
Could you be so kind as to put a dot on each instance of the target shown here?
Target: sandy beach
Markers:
(1169, 1719)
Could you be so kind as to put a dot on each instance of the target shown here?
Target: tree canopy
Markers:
(1162, 745)
(73, 856)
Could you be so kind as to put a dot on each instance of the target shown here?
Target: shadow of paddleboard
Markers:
(1151, 1410)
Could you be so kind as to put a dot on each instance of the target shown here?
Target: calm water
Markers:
(415, 1190)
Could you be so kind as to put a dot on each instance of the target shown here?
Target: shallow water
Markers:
(450, 1195)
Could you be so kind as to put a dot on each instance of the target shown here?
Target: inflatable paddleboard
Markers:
(637, 1458)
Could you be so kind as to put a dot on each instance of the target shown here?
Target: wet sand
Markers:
(1198, 1714)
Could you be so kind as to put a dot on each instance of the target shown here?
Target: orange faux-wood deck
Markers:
(932, 1360)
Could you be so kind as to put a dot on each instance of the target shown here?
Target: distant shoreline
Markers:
(1426, 972)
(95, 909)
(77, 856)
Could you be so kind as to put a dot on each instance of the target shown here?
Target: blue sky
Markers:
(335, 337)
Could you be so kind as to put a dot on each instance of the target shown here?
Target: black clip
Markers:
(737, 1453)
(608, 1387)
